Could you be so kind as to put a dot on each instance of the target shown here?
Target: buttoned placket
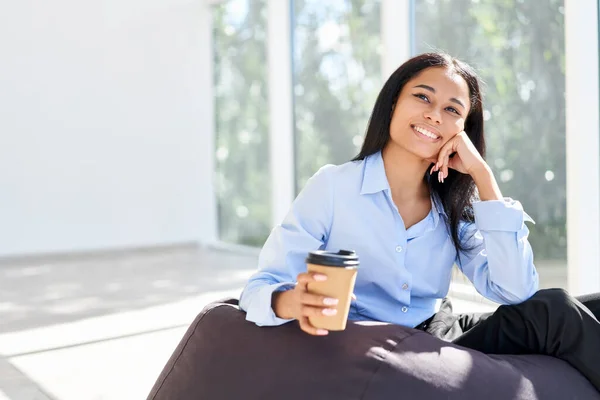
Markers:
(400, 249)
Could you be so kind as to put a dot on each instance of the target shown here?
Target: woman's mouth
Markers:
(425, 133)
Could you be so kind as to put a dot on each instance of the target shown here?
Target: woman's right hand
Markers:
(299, 303)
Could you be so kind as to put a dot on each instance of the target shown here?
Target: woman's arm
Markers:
(486, 183)
(500, 259)
(305, 228)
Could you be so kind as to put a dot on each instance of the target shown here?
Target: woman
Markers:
(418, 199)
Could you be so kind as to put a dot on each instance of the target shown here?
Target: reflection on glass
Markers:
(241, 104)
(337, 75)
(518, 48)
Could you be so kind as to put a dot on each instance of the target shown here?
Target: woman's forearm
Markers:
(486, 184)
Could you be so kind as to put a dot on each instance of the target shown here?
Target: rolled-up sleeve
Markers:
(282, 258)
(499, 258)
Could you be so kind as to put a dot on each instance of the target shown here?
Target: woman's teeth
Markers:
(425, 132)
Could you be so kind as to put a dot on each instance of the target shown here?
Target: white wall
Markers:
(103, 125)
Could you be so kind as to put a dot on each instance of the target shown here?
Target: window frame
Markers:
(582, 146)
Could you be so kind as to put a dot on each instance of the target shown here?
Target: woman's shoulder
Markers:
(340, 175)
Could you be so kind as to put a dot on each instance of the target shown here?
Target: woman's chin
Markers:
(424, 153)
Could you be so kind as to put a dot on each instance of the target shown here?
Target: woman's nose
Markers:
(433, 116)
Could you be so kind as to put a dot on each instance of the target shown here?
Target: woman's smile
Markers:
(425, 133)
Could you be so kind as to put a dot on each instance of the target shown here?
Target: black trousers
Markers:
(551, 322)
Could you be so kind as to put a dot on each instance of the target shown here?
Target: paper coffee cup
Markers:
(341, 270)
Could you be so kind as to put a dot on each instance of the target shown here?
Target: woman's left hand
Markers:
(467, 159)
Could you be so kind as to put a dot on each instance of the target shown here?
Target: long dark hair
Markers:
(458, 191)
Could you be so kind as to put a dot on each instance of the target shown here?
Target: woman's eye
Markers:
(453, 110)
(422, 97)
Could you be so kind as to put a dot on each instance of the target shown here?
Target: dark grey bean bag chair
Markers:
(222, 356)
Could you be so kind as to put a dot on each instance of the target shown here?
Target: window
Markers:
(241, 108)
(337, 76)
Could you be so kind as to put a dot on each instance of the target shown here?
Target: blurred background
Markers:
(147, 148)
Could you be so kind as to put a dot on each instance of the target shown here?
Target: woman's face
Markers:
(430, 110)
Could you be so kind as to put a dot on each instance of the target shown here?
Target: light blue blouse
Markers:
(402, 272)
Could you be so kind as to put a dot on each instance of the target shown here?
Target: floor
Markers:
(101, 326)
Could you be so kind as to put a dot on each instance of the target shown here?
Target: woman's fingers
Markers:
(317, 300)
(433, 168)
(311, 311)
(445, 170)
(440, 163)
(442, 167)
(444, 159)
(305, 278)
(313, 305)
(306, 326)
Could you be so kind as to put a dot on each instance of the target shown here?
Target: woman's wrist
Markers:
(279, 304)
(486, 183)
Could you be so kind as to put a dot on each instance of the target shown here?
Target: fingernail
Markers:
(329, 311)
(330, 302)
(322, 332)
(319, 277)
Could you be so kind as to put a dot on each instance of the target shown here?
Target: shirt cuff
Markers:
(261, 312)
(500, 215)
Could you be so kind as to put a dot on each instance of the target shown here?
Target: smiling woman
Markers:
(409, 229)
(440, 97)
(435, 117)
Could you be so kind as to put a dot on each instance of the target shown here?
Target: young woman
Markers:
(418, 199)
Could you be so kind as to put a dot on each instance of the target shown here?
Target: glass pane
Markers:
(337, 76)
(518, 48)
(241, 104)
